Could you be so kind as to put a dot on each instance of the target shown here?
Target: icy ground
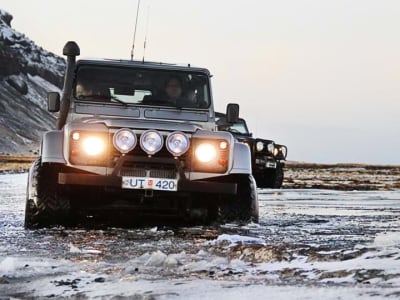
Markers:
(310, 244)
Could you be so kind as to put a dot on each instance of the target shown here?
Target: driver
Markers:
(173, 90)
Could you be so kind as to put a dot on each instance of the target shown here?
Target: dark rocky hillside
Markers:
(27, 73)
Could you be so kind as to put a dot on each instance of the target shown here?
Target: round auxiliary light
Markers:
(151, 141)
(259, 146)
(124, 140)
(271, 148)
(76, 136)
(223, 145)
(177, 143)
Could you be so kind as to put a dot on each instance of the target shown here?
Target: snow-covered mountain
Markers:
(27, 73)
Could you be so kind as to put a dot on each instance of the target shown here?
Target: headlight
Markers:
(205, 152)
(177, 143)
(210, 155)
(281, 152)
(93, 145)
(260, 146)
(151, 142)
(271, 148)
(284, 151)
(88, 148)
(124, 140)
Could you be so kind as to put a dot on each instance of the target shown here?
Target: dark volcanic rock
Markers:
(5, 17)
(18, 84)
(27, 73)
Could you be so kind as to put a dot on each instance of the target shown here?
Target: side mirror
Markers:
(232, 113)
(53, 102)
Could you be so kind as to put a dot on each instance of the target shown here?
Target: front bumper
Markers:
(184, 185)
(263, 162)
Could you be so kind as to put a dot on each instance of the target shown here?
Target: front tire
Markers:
(242, 207)
(271, 178)
(50, 207)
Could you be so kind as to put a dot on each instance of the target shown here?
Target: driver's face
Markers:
(173, 89)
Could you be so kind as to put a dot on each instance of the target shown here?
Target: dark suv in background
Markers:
(267, 157)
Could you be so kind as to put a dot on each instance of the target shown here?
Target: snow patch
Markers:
(387, 239)
(156, 259)
(237, 239)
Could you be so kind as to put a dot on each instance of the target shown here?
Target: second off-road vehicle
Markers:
(139, 138)
(267, 157)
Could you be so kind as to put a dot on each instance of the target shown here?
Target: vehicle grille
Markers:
(154, 173)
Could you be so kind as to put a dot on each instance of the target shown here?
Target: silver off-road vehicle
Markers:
(121, 145)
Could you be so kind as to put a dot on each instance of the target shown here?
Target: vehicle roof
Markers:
(142, 64)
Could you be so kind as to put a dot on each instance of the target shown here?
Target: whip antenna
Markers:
(134, 32)
(147, 29)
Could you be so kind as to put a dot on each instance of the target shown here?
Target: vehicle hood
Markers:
(143, 124)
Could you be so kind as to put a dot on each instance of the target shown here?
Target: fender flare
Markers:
(52, 147)
(241, 159)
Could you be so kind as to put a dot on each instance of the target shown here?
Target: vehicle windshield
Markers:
(142, 87)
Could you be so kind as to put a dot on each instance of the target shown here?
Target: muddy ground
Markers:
(309, 244)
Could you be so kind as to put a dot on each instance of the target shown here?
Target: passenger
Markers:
(173, 90)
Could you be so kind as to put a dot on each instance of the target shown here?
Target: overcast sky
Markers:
(321, 77)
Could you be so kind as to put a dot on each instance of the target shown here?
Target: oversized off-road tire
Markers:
(30, 213)
(50, 207)
(271, 178)
(242, 207)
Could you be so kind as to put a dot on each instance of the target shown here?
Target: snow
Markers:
(387, 239)
(156, 259)
(238, 239)
(7, 33)
(21, 267)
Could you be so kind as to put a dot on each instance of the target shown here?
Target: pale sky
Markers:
(320, 76)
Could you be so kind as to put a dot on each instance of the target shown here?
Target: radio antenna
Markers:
(147, 29)
(134, 32)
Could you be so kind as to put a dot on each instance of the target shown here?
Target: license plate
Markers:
(270, 164)
(146, 183)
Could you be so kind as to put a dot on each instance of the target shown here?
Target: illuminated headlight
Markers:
(124, 140)
(88, 148)
(260, 146)
(93, 145)
(151, 142)
(271, 148)
(177, 143)
(205, 152)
